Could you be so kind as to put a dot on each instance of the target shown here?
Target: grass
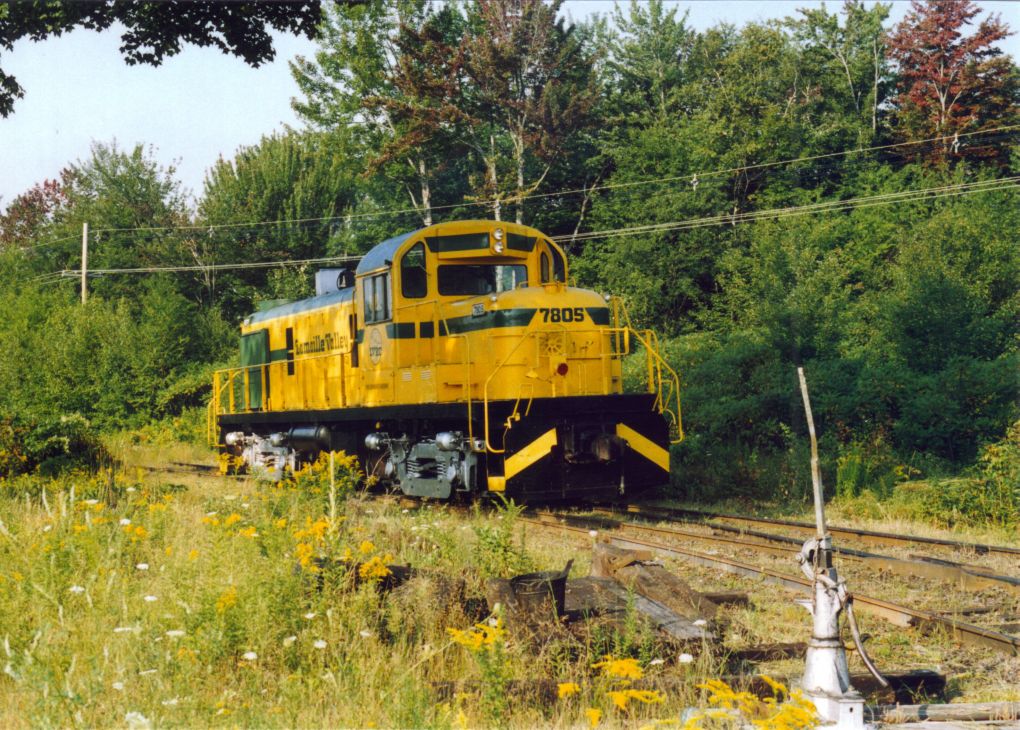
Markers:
(142, 598)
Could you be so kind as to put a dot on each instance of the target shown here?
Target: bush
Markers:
(990, 496)
(49, 446)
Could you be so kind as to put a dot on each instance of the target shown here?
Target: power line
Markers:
(904, 196)
(693, 178)
(208, 267)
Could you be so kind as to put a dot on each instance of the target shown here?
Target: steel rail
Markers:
(969, 578)
(896, 614)
(865, 535)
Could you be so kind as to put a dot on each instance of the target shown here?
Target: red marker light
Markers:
(562, 369)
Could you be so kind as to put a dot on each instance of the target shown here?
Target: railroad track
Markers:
(866, 536)
(896, 614)
(966, 576)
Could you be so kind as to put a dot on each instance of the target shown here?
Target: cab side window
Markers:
(559, 266)
(378, 304)
(413, 280)
(545, 268)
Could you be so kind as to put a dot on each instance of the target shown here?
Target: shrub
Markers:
(49, 446)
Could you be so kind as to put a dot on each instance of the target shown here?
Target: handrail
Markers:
(651, 345)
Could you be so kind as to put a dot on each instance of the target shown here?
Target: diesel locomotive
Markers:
(455, 360)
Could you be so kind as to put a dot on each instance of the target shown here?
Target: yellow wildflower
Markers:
(280, 523)
(192, 554)
(482, 635)
(232, 519)
(227, 600)
(374, 569)
(366, 547)
(211, 520)
(303, 551)
(80, 528)
(620, 668)
(621, 698)
(567, 689)
(248, 532)
(594, 716)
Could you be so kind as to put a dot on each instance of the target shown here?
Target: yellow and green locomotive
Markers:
(454, 360)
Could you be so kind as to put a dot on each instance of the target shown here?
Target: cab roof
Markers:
(383, 254)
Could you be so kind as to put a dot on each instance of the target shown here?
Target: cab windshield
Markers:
(474, 279)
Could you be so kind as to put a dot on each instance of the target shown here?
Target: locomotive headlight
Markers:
(497, 234)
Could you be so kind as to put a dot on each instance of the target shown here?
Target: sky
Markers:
(203, 104)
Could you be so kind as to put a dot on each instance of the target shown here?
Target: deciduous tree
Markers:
(949, 82)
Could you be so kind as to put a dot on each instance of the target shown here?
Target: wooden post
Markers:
(84, 262)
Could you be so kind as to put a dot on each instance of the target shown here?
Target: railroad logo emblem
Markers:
(375, 346)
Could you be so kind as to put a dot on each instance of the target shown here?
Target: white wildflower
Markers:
(151, 599)
(249, 656)
(310, 615)
(319, 644)
(170, 702)
(656, 662)
(685, 659)
(130, 489)
(142, 566)
(136, 721)
(91, 502)
(47, 528)
(175, 633)
(124, 522)
(365, 634)
(145, 672)
(701, 622)
(289, 640)
(593, 533)
(76, 589)
(119, 686)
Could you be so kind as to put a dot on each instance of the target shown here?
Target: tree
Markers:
(528, 81)
(848, 62)
(950, 83)
(361, 89)
(29, 213)
(156, 30)
(132, 205)
(649, 60)
(295, 187)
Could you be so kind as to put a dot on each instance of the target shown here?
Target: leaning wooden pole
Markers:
(816, 470)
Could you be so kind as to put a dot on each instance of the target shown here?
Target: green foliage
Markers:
(989, 495)
(499, 554)
(49, 446)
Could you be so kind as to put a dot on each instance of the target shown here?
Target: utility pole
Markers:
(84, 262)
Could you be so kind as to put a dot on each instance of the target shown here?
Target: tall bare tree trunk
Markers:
(493, 180)
(426, 192)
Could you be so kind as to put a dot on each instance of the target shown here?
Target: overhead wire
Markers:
(212, 267)
(512, 200)
(903, 196)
